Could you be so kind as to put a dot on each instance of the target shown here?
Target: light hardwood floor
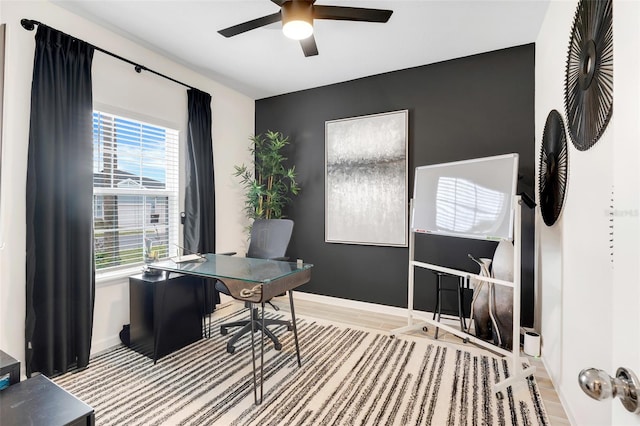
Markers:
(385, 322)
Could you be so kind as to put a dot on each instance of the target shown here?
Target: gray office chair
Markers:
(269, 240)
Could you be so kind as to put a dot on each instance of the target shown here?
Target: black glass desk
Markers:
(250, 280)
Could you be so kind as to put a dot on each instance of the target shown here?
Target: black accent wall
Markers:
(471, 107)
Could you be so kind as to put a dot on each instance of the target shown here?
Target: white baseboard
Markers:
(363, 306)
(563, 400)
(104, 344)
(370, 307)
(353, 304)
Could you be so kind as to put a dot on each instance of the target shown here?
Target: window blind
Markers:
(135, 191)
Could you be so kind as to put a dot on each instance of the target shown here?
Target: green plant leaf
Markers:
(270, 185)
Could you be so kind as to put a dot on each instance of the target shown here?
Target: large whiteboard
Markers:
(469, 199)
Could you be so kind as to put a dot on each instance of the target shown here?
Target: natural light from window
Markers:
(135, 191)
(463, 206)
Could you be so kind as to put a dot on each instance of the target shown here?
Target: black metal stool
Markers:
(460, 296)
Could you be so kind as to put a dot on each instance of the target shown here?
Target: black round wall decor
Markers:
(554, 165)
(588, 88)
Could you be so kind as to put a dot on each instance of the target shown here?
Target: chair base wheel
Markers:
(277, 346)
(224, 331)
(289, 327)
(499, 395)
(231, 349)
(425, 329)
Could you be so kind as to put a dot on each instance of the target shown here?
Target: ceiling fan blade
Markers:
(251, 25)
(351, 13)
(309, 46)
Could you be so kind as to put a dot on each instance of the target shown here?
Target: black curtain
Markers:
(200, 201)
(60, 276)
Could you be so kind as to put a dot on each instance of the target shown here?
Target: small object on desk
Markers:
(150, 255)
(189, 258)
(151, 272)
(299, 263)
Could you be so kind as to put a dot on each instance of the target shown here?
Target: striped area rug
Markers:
(348, 376)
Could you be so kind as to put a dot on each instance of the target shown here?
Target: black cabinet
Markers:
(10, 366)
(165, 315)
(40, 402)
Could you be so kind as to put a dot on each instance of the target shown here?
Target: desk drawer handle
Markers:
(256, 290)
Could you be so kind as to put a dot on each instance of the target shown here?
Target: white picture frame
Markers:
(366, 174)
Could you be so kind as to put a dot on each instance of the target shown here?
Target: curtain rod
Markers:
(29, 25)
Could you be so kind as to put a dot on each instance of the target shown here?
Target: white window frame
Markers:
(172, 191)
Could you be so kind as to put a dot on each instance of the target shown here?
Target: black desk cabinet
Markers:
(166, 313)
(40, 402)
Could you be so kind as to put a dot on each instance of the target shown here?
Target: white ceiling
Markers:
(263, 62)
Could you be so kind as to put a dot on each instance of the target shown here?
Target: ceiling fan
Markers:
(297, 20)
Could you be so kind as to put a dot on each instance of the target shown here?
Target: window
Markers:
(135, 191)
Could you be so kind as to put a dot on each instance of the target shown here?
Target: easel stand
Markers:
(516, 372)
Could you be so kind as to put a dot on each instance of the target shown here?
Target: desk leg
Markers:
(438, 308)
(206, 328)
(463, 323)
(295, 328)
(262, 353)
(253, 356)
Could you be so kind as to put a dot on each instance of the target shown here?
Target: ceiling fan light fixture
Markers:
(297, 20)
(297, 17)
(297, 30)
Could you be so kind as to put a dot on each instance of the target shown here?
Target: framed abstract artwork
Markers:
(366, 173)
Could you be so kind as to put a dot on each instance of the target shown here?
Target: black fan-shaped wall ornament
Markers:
(588, 89)
(554, 165)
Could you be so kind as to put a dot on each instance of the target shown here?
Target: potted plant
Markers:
(269, 185)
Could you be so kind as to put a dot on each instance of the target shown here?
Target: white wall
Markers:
(589, 297)
(118, 86)
(626, 290)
